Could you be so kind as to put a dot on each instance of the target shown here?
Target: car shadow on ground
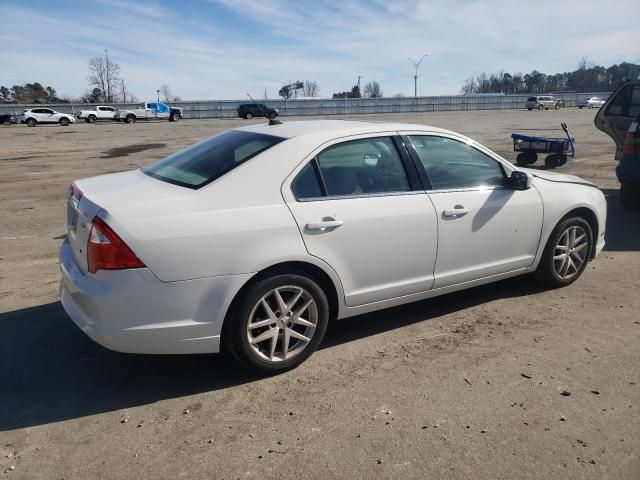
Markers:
(50, 371)
(623, 225)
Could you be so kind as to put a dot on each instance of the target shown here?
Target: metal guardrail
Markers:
(347, 106)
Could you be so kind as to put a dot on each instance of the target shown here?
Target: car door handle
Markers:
(324, 224)
(455, 212)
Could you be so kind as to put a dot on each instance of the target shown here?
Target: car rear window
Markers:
(202, 163)
(531, 99)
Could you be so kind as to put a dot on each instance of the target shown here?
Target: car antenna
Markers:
(272, 121)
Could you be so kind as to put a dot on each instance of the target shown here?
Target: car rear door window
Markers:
(361, 167)
(452, 164)
(370, 166)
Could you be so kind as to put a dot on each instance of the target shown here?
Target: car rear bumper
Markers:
(132, 311)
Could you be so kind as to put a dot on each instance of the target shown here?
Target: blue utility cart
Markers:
(559, 149)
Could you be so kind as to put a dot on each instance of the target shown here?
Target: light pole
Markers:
(158, 91)
(415, 77)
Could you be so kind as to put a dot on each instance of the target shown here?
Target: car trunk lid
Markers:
(88, 197)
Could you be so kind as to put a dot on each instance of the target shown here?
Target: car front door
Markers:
(616, 115)
(484, 227)
(360, 207)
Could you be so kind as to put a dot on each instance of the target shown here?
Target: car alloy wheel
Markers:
(248, 116)
(282, 323)
(571, 252)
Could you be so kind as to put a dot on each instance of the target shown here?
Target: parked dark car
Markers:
(8, 119)
(619, 118)
(250, 110)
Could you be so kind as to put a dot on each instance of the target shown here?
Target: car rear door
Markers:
(361, 208)
(616, 115)
(484, 227)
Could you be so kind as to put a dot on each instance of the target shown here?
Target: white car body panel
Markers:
(500, 233)
(200, 247)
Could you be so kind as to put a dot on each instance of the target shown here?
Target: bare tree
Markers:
(372, 90)
(104, 75)
(311, 88)
(469, 86)
(167, 94)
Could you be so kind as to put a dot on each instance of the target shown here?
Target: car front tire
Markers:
(540, 107)
(567, 253)
(248, 116)
(276, 323)
(32, 122)
(64, 121)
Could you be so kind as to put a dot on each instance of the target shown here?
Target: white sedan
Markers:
(34, 116)
(590, 102)
(257, 238)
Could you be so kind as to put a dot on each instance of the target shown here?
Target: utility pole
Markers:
(158, 92)
(415, 77)
(106, 53)
(124, 96)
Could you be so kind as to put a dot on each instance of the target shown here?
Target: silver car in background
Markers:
(590, 102)
(543, 102)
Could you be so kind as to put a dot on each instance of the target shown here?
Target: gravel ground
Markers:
(507, 380)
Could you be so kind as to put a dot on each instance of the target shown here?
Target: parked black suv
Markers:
(250, 110)
(619, 118)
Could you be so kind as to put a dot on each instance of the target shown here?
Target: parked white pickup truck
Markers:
(150, 111)
(101, 112)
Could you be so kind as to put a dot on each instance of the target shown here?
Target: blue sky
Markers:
(224, 48)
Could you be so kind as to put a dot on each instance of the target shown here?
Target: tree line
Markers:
(586, 78)
(106, 85)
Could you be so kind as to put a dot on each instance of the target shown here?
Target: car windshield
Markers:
(210, 159)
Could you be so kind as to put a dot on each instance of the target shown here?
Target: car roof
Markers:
(335, 128)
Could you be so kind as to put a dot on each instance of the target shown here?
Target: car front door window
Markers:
(452, 164)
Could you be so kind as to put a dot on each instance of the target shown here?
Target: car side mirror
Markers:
(520, 180)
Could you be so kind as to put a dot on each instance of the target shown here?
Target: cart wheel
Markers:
(554, 160)
(563, 160)
(526, 158)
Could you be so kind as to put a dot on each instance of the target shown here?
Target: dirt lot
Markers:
(462, 386)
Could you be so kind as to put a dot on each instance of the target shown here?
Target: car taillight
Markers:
(107, 251)
(630, 140)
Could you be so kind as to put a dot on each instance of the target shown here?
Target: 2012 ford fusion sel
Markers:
(257, 238)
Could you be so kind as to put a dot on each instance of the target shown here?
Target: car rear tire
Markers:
(32, 122)
(248, 116)
(630, 195)
(130, 119)
(276, 323)
(64, 121)
(567, 253)
(176, 117)
(273, 115)
(92, 119)
(529, 109)
(557, 106)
